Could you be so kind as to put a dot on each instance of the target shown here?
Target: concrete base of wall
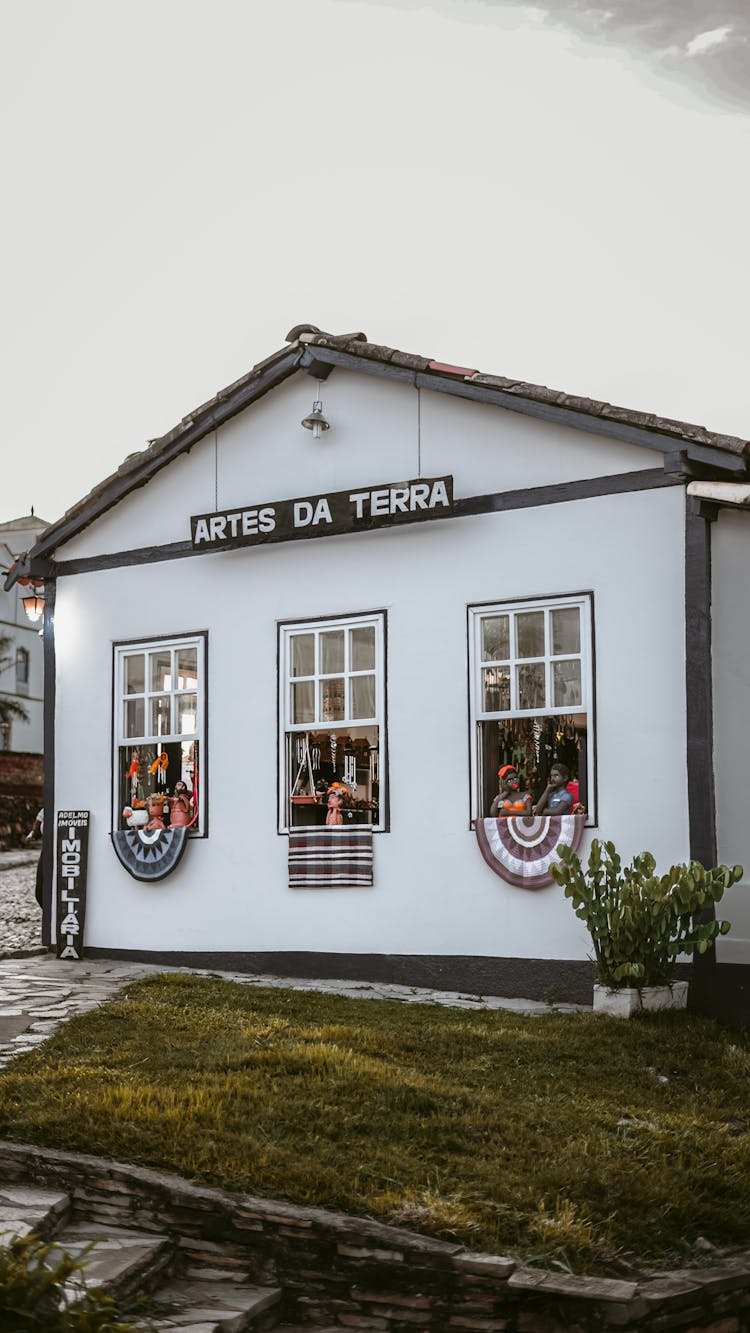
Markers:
(557, 981)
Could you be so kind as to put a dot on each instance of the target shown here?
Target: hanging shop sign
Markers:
(72, 865)
(385, 506)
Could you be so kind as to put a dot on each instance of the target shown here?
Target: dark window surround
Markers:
(281, 625)
(167, 638)
(520, 601)
(22, 666)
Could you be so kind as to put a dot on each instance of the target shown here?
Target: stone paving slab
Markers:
(38, 993)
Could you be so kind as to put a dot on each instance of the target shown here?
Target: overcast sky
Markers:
(557, 192)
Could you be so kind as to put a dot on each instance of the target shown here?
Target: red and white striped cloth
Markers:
(330, 858)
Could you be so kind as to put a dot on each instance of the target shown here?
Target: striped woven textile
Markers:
(330, 858)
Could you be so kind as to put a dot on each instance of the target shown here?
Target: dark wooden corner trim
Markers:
(48, 836)
(699, 686)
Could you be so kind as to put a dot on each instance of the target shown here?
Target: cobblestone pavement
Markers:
(39, 991)
(21, 917)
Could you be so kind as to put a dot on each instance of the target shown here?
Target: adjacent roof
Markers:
(310, 348)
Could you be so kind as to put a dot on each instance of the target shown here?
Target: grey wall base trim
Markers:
(525, 978)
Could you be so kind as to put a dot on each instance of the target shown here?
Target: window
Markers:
(531, 696)
(5, 735)
(332, 714)
(159, 724)
(22, 670)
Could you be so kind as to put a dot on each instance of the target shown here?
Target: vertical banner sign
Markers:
(72, 863)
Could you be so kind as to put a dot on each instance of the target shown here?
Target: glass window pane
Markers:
(187, 713)
(566, 684)
(362, 648)
(303, 656)
(187, 668)
(332, 700)
(303, 701)
(332, 651)
(159, 716)
(530, 634)
(363, 696)
(160, 670)
(495, 639)
(135, 676)
(530, 681)
(134, 717)
(566, 631)
(496, 689)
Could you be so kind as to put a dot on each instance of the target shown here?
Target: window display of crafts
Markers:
(336, 800)
(521, 839)
(159, 729)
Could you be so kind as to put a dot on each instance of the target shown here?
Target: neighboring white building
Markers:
(23, 678)
(463, 571)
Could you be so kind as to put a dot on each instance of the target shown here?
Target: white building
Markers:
(463, 571)
(23, 678)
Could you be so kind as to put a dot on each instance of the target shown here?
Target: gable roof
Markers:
(312, 349)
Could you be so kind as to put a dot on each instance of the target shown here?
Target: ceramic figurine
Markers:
(510, 800)
(336, 794)
(555, 799)
(179, 806)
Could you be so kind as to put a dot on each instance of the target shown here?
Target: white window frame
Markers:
(322, 625)
(477, 713)
(171, 643)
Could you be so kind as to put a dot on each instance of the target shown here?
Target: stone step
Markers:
(212, 1304)
(125, 1264)
(26, 1210)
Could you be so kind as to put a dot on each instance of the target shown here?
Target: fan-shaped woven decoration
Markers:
(149, 855)
(521, 848)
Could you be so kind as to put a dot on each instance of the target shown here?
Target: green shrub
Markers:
(641, 922)
(35, 1293)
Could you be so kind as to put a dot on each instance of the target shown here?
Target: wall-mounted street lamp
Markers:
(33, 602)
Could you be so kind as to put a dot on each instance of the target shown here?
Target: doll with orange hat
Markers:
(510, 800)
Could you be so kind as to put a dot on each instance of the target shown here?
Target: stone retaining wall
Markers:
(366, 1275)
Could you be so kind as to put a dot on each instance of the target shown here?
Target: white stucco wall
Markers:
(731, 667)
(433, 893)
(380, 431)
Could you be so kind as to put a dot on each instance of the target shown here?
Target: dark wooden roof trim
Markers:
(135, 472)
(531, 497)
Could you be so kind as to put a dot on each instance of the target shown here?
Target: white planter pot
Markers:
(629, 1000)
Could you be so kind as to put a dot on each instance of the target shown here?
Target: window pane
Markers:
(135, 677)
(134, 717)
(362, 648)
(566, 684)
(303, 657)
(495, 639)
(530, 680)
(363, 696)
(187, 713)
(332, 651)
(332, 700)
(566, 631)
(303, 701)
(159, 714)
(160, 670)
(187, 668)
(496, 689)
(530, 634)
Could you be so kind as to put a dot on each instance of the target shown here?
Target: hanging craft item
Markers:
(134, 774)
(522, 848)
(149, 854)
(300, 797)
(159, 768)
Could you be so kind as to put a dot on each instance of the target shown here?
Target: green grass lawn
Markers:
(588, 1142)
